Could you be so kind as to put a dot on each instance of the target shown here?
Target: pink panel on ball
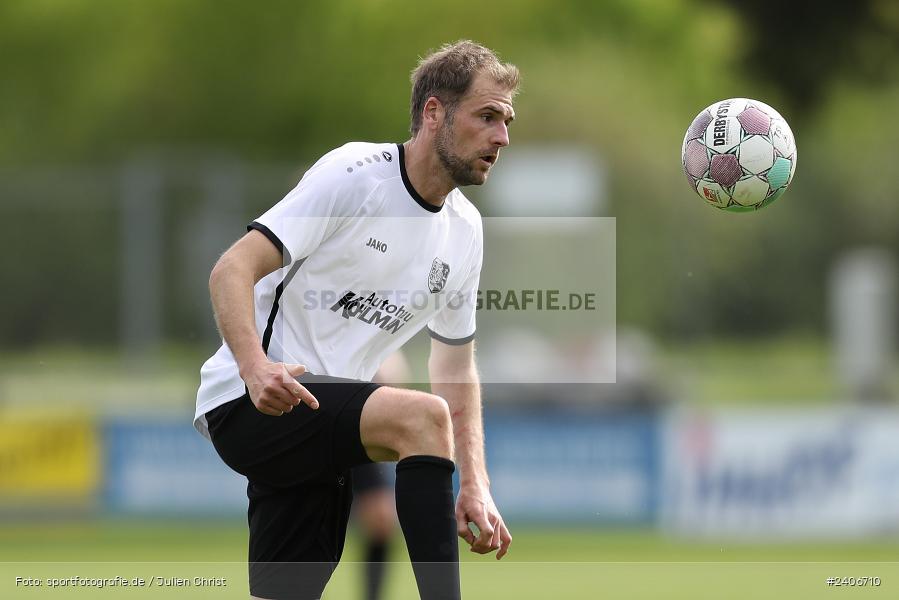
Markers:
(725, 169)
(696, 160)
(754, 121)
(697, 127)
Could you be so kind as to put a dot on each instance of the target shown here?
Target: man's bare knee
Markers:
(398, 423)
(428, 427)
(434, 410)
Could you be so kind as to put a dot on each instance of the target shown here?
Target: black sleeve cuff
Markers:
(272, 238)
(450, 341)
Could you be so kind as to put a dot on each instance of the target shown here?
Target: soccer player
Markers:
(375, 243)
(375, 514)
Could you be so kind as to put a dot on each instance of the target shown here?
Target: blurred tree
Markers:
(803, 46)
(97, 82)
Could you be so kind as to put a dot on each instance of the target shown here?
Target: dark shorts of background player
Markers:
(298, 468)
(373, 476)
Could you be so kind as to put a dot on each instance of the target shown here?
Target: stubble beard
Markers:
(459, 170)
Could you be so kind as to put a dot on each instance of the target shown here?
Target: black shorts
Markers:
(299, 486)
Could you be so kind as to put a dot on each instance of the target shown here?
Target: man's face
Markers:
(469, 140)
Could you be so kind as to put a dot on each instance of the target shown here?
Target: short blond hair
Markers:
(447, 74)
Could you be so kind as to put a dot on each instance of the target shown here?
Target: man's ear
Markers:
(433, 113)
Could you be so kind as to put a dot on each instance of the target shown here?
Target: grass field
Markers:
(544, 563)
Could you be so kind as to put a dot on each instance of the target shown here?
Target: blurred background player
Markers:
(374, 507)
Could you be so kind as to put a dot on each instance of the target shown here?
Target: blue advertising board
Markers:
(166, 467)
(553, 465)
(546, 465)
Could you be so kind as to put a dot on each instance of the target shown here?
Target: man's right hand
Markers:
(274, 389)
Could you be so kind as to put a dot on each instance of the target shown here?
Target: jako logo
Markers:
(376, 244)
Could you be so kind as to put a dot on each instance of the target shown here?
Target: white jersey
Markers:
(367, 264)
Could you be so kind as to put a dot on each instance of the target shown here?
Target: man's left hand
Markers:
(475, 505)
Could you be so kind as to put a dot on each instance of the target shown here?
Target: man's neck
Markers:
(425, 172)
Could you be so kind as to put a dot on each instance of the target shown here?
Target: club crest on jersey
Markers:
(437, 276)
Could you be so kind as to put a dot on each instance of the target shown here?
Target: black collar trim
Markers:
(412, 191)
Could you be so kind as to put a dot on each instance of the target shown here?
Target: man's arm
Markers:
(272, 386)
(454, 377)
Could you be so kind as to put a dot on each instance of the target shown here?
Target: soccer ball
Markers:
(739, 155)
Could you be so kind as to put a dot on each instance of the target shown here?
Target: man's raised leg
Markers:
(415, 428)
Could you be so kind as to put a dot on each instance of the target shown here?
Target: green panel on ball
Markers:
(772, 197)
(736, 208)
(779, 173)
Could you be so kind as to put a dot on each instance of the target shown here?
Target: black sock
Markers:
(375, 555)
(424, 505)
